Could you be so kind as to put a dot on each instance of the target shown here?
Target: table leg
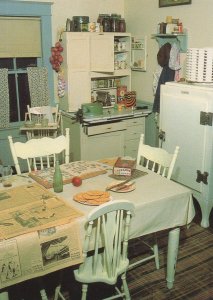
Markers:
(4, 295)
(173, 244)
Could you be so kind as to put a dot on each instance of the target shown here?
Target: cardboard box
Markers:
(124, 166)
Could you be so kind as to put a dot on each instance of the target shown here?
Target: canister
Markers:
(80, 23)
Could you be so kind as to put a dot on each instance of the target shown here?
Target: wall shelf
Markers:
(139, 53)
(180, 39)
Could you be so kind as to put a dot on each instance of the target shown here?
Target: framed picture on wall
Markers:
(164, 3)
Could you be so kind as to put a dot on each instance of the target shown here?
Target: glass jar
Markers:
(101, 17)
(122, 25)
(106, 24)
(114, 22)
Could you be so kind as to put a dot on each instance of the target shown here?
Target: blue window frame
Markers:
(17, 66)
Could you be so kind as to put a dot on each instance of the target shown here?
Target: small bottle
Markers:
(180, 27)
(57, 179)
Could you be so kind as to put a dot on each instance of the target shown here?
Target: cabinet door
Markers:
(78, 89)
(102, 145)
(135, 127)
(76, 51)
(102, 53)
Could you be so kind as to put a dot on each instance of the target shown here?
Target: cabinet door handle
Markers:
(108, 128)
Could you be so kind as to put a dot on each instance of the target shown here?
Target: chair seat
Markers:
(101, 275)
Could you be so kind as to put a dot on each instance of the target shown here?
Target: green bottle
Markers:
(57, 179)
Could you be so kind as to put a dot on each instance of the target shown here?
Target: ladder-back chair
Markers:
(107, 226)
(160, 161)
(47, 121)
(41, 152)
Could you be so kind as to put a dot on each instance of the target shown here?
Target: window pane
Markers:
(6, 63)
(24, 95)
(13, 98)
(23, 63)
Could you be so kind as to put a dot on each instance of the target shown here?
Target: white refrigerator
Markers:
(186, 114)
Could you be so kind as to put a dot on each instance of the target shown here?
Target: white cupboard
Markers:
(89, 57)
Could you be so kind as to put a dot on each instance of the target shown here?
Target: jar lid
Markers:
(81, 19)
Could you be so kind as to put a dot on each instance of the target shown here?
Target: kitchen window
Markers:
(26, 40)
(19, 96)
(22, 49)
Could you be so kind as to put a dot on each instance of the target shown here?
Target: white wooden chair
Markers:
(157, 159)
(40, 152)
(160, 161)
(107, 226)
(39, 114)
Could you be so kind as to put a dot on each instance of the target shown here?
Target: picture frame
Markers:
(165, 3)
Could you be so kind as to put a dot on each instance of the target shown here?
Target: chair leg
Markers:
(155, 250)
(58, 294)
(43, 294)
(125, 287)
(84, 291)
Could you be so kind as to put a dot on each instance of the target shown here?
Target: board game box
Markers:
(83, 169)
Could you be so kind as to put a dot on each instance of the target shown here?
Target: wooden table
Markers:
(160, 204)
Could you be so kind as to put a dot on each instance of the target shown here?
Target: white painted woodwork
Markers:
(161, 161)
(40, 152)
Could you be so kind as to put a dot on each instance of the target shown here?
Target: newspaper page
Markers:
(30, 208)
(39, 253)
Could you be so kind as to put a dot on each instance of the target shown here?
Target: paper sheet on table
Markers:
(30, 208)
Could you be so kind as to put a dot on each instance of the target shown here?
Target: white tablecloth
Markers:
(159, 203)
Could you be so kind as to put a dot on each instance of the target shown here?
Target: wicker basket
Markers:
(199, 65)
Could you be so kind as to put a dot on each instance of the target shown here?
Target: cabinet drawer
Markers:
(135, 122)
(133, 135)
(105, 128)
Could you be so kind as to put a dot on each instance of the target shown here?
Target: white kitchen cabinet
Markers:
(110, 139)
(134, 128)
(186, 112)
(89, 57)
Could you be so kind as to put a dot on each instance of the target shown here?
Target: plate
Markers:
(128, 187)
(92, 197)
